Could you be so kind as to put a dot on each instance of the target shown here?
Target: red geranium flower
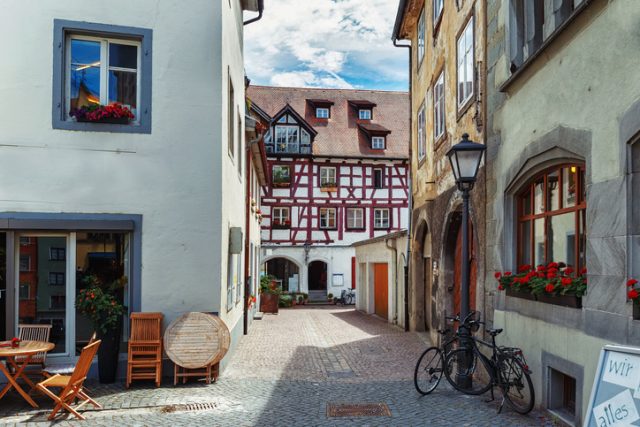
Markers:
(500, 288)
(550, 287)
(568, 270)
(507, 273)
(551, 274)
(523, 268)
(584, 270)
(541, 267)
(553, 265)
(633, 294)
(541, 275)
(566, 281)
(631, 282)
(498, 275)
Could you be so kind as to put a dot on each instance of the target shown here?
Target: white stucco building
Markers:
(154, 200)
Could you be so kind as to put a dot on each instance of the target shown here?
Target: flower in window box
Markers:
(112, 113)
(287, 222)
(550, 288)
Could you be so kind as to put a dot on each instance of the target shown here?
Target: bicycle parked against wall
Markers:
(347, 297)
(470, 371)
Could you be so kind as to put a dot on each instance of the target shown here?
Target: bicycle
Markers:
(433, 359)
(347, 297)
(471, 372)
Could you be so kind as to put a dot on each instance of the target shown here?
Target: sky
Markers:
(326, 43)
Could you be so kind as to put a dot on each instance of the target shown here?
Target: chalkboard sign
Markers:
(615, 395)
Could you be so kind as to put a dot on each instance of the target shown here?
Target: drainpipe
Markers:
(257, 18)
(247, 239)
(409, 182)
(393, 248)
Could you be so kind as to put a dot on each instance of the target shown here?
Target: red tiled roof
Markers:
(374, 128)
(341, 135)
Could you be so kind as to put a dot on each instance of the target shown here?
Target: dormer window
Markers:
(289, 134)
(378, 142)
(322, 113)
(364, 114)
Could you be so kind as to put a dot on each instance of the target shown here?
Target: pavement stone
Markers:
(284, 373)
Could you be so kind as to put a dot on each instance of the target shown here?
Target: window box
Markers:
(520, 294)
(562, 300)
(112, 120)
(277, 225)
(281, 184)
(329, 187)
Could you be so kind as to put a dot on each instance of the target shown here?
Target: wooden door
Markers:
(381, 289)
(353, 272)
(457, 272)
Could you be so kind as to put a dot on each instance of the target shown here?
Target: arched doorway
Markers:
(421, 292)
(318, 281)
(286, 272)
(453, 264)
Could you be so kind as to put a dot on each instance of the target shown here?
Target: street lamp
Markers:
(465, 159)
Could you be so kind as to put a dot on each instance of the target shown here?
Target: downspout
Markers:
(410, 182)
(395, 276)
(257, 18)
(247, 239)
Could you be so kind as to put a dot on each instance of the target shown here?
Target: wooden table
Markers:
(27, 349)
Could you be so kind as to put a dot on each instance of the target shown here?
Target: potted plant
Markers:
(330, 298)
(99, 304)
(113, 113)
(305, 297)
(329, 186)
(281, 178)
(285, 300)
(269, 294)
(300, 299)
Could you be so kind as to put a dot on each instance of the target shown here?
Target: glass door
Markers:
(43, 285)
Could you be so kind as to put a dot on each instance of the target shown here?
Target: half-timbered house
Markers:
(339, 167)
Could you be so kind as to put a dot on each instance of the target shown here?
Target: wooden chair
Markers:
(72, 386)
(145, 348)
(64, 369)
(28, 332)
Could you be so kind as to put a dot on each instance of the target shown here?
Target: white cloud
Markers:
(325, 43)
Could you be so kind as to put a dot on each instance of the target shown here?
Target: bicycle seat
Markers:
(494, 332)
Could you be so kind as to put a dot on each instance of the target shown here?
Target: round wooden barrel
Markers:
(195, 340)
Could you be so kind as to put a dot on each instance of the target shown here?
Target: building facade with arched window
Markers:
(562, 185)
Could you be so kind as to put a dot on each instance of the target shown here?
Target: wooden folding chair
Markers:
(64, 369)
(28, 332)
(72, 386)
(144, 361)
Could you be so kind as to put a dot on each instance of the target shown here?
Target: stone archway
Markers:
(286, 271)
(317, 282)
(422, 292)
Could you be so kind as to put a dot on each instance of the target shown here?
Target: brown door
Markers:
(381, 289)
(457, 272)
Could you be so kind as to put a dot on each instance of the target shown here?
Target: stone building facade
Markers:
(564, 116)
(447, 100)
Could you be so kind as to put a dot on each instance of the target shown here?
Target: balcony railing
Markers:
(288, 149)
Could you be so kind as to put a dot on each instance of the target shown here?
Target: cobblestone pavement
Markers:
(285, 372)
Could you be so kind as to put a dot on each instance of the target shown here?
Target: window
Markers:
(56, 254)
(551, 218)
(465, 64)
(280, 218)
(231, 117)
(421, 37)
(25, 241)
(355, 218)
(322, 113)
(24, 291)
(281, 176)
(328, 218)
(57, 302)
(240, 146)
(288, 136)
(25, 263)
(231, 268)
(364, 114)
(438, 5)
(562, 394)
(378, 142)
(378, 178)
(422, 149)
(56, 279)
(381, 218)
(96, 64)
(438, 107)
(328, 177)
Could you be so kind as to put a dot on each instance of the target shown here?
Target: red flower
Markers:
(550, 287)
(566, 281)
(500, 288)
(583, 270)
(541, 275)
(631, 282)
(553, 265)
(552, 274)
(633, 294)
(523, 268)
(541, 267)
(497, 275)
(568, 270)
(507, 273)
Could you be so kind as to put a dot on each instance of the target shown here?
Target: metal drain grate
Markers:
(190, 407)
(358, 410)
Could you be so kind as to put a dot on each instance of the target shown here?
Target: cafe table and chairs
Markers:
(17, 356)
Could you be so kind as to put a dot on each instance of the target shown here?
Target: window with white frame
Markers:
(328, 177)
(438, 107)
(378, 142)
(56, 254)
(56, 278)
(465, 64)
(421, 44)
(280, 217)
(438, 5)
(328, 218)
(102, 71)
(25, 263)
(378, 178)
(355, 218)
(364, 114)
(381, 218)
(422, 148)
(231, 117)
(240, 145)
(281, 174)
(322, 113)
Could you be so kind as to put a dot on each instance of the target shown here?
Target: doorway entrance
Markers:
(318, 281)
(454, 261)
(381, 289)
(286, 272)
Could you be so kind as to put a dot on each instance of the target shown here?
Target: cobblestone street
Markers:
(285, 372)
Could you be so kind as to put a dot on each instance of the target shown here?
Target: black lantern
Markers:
(465, 159)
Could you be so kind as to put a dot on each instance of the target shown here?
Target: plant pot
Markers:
(112, 120)
(108, 354)
(328, 189)
(562, 300)
(281, 184)
(520, 294)
(269, 303)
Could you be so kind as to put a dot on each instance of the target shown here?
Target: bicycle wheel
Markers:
(348, 299)
(467, 372)
(428, 370)
(516, 385)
